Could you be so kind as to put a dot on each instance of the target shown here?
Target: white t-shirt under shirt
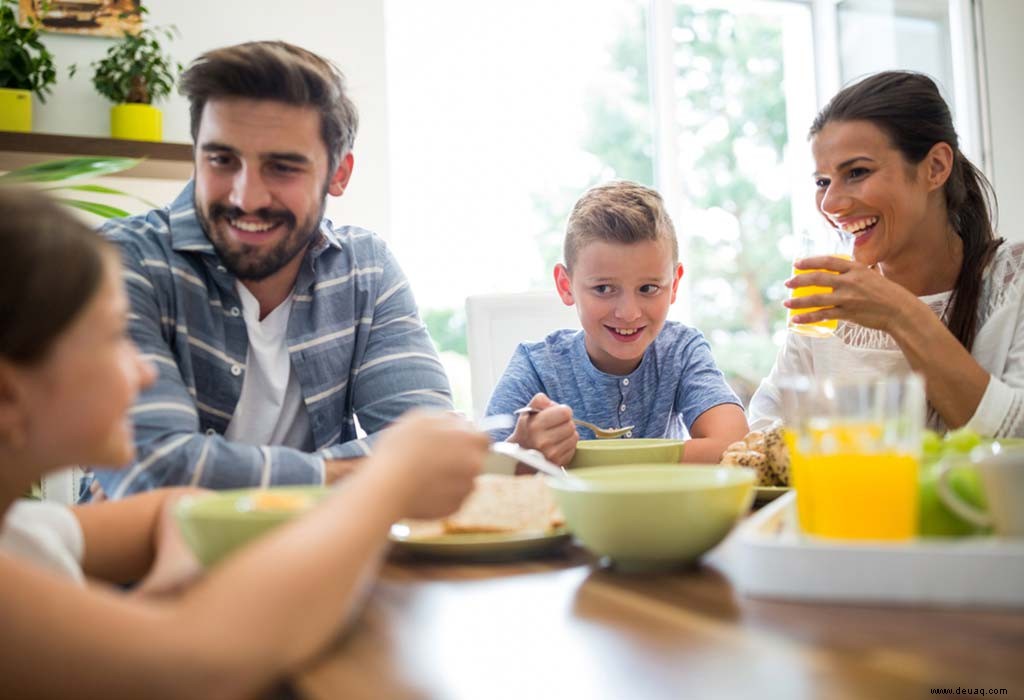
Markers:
(270, 409)
(46, 534)
(858, 351)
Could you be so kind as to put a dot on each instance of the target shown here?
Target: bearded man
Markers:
(272, 329)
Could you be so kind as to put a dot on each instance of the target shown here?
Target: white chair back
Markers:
(497, 323)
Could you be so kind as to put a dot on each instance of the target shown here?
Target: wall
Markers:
(1002, 22)
(349, 33)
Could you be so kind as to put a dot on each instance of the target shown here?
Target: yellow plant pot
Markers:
(15, 110)
(136, 122)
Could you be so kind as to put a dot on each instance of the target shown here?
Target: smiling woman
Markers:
(930, 287)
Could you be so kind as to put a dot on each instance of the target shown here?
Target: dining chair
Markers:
(497, 323)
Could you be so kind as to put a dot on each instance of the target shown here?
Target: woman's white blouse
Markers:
(858, 351)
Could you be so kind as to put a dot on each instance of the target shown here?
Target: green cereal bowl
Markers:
(215, 524)
(653, 517)
(608, 453)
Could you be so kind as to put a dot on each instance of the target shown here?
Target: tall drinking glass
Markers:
(813, 243)
(854, 446)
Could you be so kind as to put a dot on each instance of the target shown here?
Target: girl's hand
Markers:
(433, 458)
(859, 294)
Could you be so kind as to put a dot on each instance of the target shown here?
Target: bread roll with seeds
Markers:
(763, 451)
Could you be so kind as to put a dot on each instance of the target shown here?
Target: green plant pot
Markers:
(15, 110)
(136, 122)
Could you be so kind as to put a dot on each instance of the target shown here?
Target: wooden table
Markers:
(567, 628)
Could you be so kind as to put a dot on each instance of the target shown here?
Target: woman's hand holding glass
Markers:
(859, 294)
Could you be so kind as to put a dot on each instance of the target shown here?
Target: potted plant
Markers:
(135, 73)
(26, 67)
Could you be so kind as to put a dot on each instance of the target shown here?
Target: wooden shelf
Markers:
(169, 161)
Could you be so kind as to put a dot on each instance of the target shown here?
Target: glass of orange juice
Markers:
(854, 446)
(823, 241)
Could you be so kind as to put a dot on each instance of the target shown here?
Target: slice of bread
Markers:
(501, 503)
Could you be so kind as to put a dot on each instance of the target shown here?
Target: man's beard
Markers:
(247, 262)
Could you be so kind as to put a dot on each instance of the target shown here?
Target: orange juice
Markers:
(818, 328)
(846, 490)
(864, 496)
(800, 480)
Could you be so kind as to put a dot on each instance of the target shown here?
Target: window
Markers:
(502, 113)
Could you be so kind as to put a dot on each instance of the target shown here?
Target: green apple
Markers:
(934, 519)
(962, 440)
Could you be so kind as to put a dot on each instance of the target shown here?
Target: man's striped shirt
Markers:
(355, 339)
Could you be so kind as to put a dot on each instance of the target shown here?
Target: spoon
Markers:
(533, 458)
(600, 433)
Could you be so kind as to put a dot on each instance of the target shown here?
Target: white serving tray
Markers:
(773, 560)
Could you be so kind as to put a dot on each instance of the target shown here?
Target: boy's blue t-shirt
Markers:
(675, 382)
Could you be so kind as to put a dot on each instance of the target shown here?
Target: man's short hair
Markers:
(618, 212)
(275, 70)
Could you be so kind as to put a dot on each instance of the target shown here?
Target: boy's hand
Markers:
(550, 431)
(434, 458)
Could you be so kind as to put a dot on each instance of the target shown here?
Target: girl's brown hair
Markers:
(908, 108)
(51, 265)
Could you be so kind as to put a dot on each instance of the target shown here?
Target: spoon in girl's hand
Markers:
(533, 458)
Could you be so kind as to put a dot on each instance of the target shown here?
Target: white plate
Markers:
(478, 546)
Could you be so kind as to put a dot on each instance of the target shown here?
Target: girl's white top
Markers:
(45, 534)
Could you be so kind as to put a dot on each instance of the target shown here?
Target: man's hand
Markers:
(550, 431)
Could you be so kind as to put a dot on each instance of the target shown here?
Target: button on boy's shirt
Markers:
(676, 381)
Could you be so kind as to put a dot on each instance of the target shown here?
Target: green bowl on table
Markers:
(215, 524)
(651, 517)
(606, 453)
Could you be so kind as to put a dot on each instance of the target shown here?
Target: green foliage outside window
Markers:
(448, 329)
(732, 64)
(737, 62)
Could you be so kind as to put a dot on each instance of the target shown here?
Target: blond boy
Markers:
(628, 366)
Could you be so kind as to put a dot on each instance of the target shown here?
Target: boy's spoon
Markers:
(600, 433)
